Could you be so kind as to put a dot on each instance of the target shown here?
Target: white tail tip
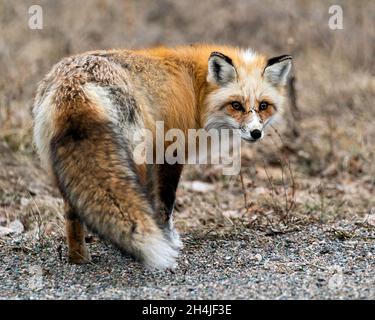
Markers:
(158, 253)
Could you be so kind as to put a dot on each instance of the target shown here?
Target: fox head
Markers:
(246, 91)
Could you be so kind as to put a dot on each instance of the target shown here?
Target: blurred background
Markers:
(317, 167)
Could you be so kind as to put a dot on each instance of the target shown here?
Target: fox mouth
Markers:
(249, 139)
(241, 131)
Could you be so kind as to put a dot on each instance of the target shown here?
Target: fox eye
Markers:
(237, 106)
(263, 106)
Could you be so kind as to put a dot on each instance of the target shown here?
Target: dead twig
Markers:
(295, 112)
(244, 191)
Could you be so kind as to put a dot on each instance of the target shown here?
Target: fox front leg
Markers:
(168, 178)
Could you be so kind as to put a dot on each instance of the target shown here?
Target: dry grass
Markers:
(324, 174)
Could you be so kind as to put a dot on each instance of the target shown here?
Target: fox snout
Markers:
(253, 130)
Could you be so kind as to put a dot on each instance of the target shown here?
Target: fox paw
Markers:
(174, 238)
(82, 257)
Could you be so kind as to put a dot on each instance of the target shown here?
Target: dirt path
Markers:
(316, 262)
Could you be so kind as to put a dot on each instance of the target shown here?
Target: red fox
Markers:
(89, 104)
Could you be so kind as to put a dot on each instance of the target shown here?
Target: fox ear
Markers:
(278, 69)
(220, 69)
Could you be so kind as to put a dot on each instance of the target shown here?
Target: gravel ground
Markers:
(315, 262)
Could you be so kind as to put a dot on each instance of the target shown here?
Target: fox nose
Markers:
(256, 134)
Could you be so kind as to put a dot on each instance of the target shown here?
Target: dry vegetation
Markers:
(323, 174)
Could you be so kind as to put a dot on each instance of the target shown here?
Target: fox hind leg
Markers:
(75, 235)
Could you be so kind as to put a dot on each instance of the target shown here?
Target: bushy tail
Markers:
(96, 174)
